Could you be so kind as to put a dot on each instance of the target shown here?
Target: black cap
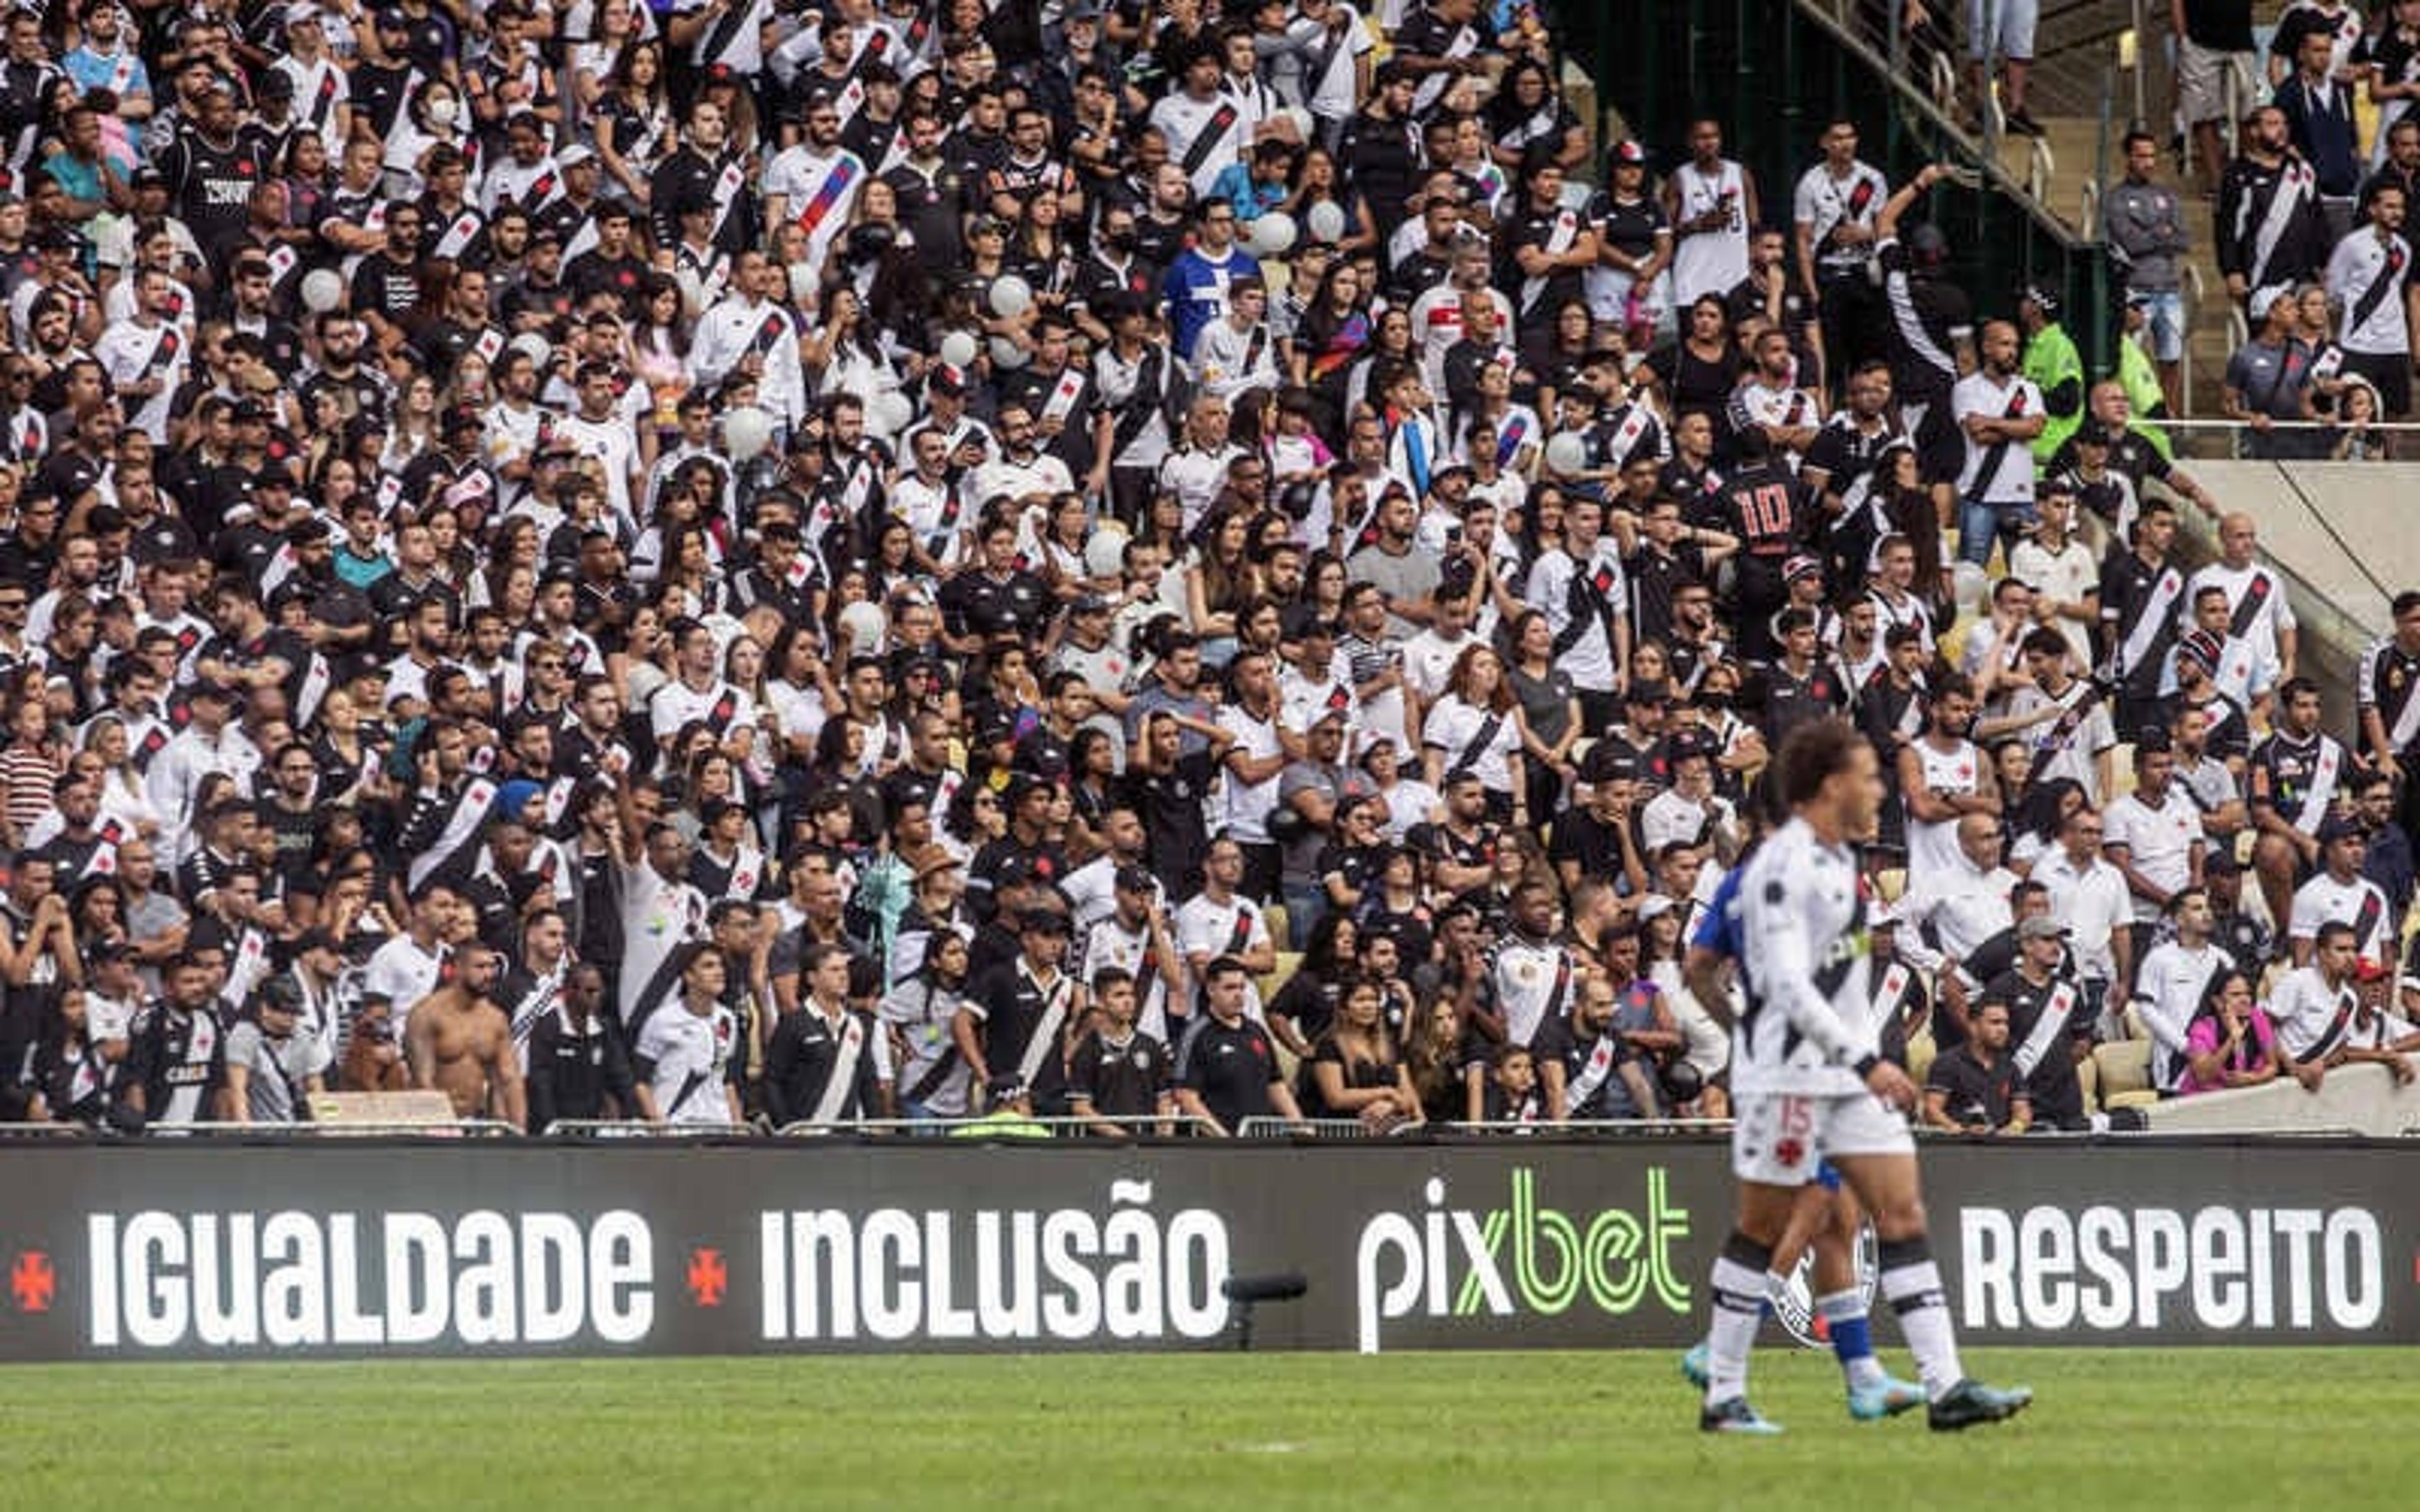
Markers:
(2336, 827)
(1137, 879)
(1042, 921)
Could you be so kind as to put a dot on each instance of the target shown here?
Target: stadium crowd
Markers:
(807, 563)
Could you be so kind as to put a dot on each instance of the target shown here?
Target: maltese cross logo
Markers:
(707, 1278)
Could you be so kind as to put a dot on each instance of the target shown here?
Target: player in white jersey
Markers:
(1824, 1222)
(1809, 1084)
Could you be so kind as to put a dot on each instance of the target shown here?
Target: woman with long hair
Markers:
(1317, 180)
(1308, 1000)
(1355, 1069)
(1527, 109)
(30, 766)
(634, 116)
(918, 1015)
(1390, 347)
(1331, 336)
(2032, 832)
(1550, 711)
(413, 430)
(1218, 578)
(71, 1073)
(124, 795)
(1699, 373)
(2230, 1040)
(1446, 1063)
(1476, 726)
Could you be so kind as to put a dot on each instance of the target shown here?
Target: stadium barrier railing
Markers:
(1273, 1128)
(1056, 1125)
(641, 1129)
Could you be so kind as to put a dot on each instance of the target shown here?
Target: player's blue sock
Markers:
(1852, 1344)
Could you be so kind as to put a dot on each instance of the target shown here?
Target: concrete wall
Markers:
(2350, 1099)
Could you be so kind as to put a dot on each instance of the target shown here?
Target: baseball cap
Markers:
(574, 155)
(1091, 604)
(1042, 921)
(2336, 827)
(2369, 970)
(1629, 152)
(2265, 300)
(1803, 564)
(2041, 927)
(1137, 879)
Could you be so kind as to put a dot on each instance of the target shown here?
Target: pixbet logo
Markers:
(1453, 1262)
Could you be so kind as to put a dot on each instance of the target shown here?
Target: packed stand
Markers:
(813, 564)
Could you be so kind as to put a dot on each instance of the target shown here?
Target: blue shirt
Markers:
(1196, 291)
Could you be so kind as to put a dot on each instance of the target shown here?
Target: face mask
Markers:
(441, 113)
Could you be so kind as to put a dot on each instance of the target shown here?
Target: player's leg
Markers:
(1808, 1214)
(1772, 1155)
(1886, 1180)
(1840, 1308)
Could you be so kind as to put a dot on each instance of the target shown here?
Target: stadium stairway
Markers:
(2063, 168)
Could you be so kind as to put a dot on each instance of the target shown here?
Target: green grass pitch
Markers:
(1437, 1432)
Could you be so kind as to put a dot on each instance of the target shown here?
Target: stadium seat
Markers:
(1273, 915)
(2124, 1073)
(1890, 883)
(1289, 961)
(2087, 1074)
(1922, 1053)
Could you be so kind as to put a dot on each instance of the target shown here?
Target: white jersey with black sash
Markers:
(1534, 981)
(2313, 1018)
(658, 917)
(685, 1059)
(440, 834)
(1808, 1018)
(2388, 677)
(2367, 274)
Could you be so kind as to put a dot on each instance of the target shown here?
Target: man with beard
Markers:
(1943, 777)
(704, 164)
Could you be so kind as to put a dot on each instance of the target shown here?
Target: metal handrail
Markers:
(641, 1129)
(2088, 210)
(2196, 291)
(1172, 1123)
(1938, 111)
(452, 1129)
(1625, 1127)
(1269, 1128)
(2042, 167)
(44, 1130)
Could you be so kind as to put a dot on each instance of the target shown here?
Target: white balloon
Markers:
(1327, 220)
(1011, 295)
(746, 432)
(1007, 353)
(1303, 124)
(1968, 583)
(958, 349)
(804, 282)
(1272, 234)
(1105, 551)
(323, 290)
(863, 625)
(1566, 454)
(888, 413)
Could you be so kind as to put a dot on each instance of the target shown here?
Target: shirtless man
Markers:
(462, 1043)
